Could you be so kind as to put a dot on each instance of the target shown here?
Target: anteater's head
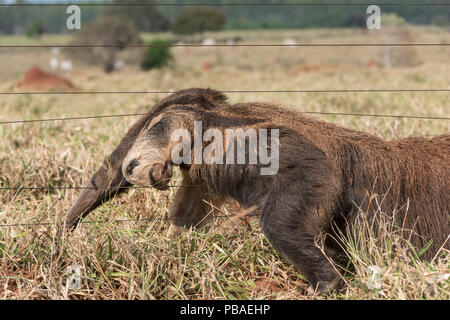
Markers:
(148, 162)
(109, 181)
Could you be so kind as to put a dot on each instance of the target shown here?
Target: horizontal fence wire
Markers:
(91, 188)
(149, 45)
(32, 224)
(224, 91)
(306, 112)
(141, 4)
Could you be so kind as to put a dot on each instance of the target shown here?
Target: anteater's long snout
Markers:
(104, 185)
(89, 199)
(107, 182)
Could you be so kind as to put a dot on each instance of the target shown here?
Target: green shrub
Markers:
(157, 56)
(35, 29)
(392, 19)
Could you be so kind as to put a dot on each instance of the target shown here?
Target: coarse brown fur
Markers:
(325, 173)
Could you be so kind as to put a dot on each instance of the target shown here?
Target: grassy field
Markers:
(229, 258)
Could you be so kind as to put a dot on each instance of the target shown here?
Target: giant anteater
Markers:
(325, 172)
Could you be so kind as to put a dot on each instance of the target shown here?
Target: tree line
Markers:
(187, 19)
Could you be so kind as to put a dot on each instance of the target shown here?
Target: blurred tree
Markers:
(109, 34)
(6, 19)
(156, 18)
(195, 19)
(441, 20)
(392, 19)
(356, 19)
(20, 16)
(157, 56)
(35, 29)
(146, 18)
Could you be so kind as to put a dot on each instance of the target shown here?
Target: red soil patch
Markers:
(320, 67)
(206, 66)
(374, 64)
(35, 78)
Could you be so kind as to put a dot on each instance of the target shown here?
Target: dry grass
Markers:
(133, 260)
(384, 264)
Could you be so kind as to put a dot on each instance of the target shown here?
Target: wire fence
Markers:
(31, 224)
(149, 45)
(224, 91)
(36, 224)
(19, 188)
(90, 188)
(228, 92)
(251, 213)
(306, 112)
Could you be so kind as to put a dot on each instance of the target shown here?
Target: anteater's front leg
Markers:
(292, 227)
(192, 206)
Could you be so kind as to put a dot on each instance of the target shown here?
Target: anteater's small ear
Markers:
(203, 98)
(212, 95)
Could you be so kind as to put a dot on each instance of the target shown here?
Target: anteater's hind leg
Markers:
(292, 229)
(192, 206)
